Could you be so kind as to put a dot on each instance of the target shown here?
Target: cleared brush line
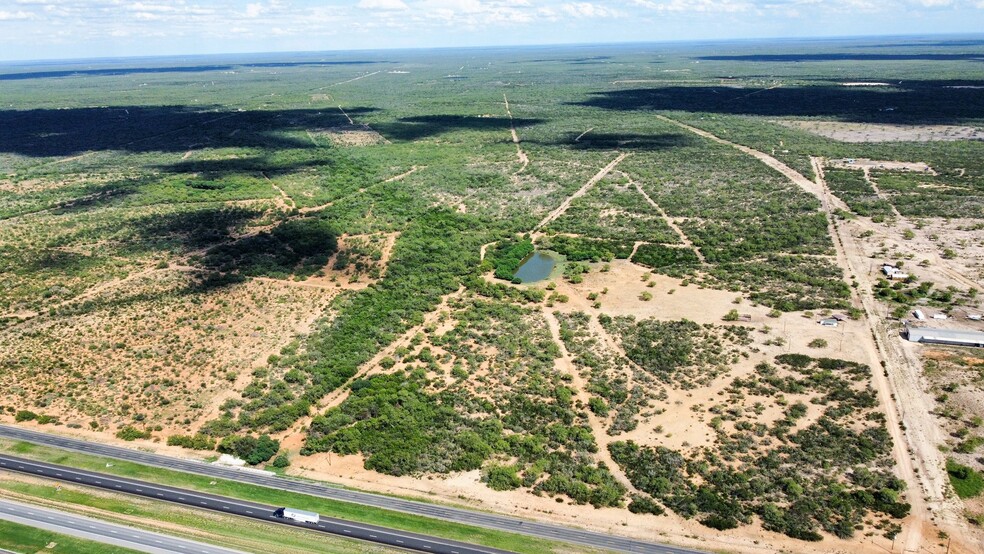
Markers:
(350, 80)
(676, 228)
(524, 160)
(790, 173)
(565, 365)
(288, 201)
(346, 115)
(559, 211)
(581, 136)
(401, 176)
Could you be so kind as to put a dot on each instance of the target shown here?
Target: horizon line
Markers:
(744, 40)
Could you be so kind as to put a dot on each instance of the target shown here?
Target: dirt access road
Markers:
(903, 401)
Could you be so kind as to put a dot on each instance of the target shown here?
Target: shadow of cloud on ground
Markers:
(291, 247)
(843, 57)
(922, 102)
(424, 126)
(122, 71)
(57, 133)
(628, 141)
(258, 165)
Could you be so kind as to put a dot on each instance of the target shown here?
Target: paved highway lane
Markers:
(263, 512)
(459, 515)
(101, 531)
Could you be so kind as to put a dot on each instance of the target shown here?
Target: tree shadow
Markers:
(423, 126)
(56, 133)
(917, 102)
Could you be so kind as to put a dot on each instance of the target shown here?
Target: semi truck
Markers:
(300, 516)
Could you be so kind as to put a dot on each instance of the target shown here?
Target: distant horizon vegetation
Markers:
(949, 39)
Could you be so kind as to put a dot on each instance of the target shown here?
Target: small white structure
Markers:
(952, 337)
(939, 316)
(975, 317)
(894, 273)
(919, 315)
(829, 322)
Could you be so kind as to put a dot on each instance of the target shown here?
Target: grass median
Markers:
(325, 507)
(23, 538)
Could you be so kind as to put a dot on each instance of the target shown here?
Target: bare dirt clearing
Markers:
(350, 135)
(889, 165)
(877, 132)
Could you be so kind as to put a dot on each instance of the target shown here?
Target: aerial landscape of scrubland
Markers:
(660, 291)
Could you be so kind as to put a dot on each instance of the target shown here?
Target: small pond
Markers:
(536, 267)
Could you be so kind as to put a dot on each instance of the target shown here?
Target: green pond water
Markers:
(536, 267)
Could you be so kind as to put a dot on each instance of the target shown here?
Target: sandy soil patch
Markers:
(887, 165)
(878, 132)
(350, 135)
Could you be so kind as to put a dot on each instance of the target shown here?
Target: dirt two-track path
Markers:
(523, 158)
(559, 211)
(908, 417)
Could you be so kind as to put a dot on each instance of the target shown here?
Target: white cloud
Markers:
(387, 5)
(19, 15)
(703, 6)
(587, 9)
(254, 10)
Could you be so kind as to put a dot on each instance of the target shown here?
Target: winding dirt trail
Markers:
(676, 229)
(288, 202)
(581, 136)
(559, 211)
(524, 160)
(907, 416)
(565, 365)
(401, 176)
(790, 173)
(941, 264)
(346, 115)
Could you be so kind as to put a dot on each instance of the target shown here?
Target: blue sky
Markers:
(39, 29)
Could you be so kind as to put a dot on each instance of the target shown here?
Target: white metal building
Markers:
(952, 337)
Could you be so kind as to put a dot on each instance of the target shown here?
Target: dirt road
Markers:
(524, 160)
(559, 211)
(908, 417)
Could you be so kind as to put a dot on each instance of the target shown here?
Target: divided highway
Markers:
(101, 531)
(204, 501)
(458, 515)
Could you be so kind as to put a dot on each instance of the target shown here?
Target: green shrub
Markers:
(131, 433)
(254, 450)
(966, 482)
(196, 442)
(25, 415)
(501, 478)
(281, 461)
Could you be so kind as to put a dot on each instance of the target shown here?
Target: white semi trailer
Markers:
(301, 516)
